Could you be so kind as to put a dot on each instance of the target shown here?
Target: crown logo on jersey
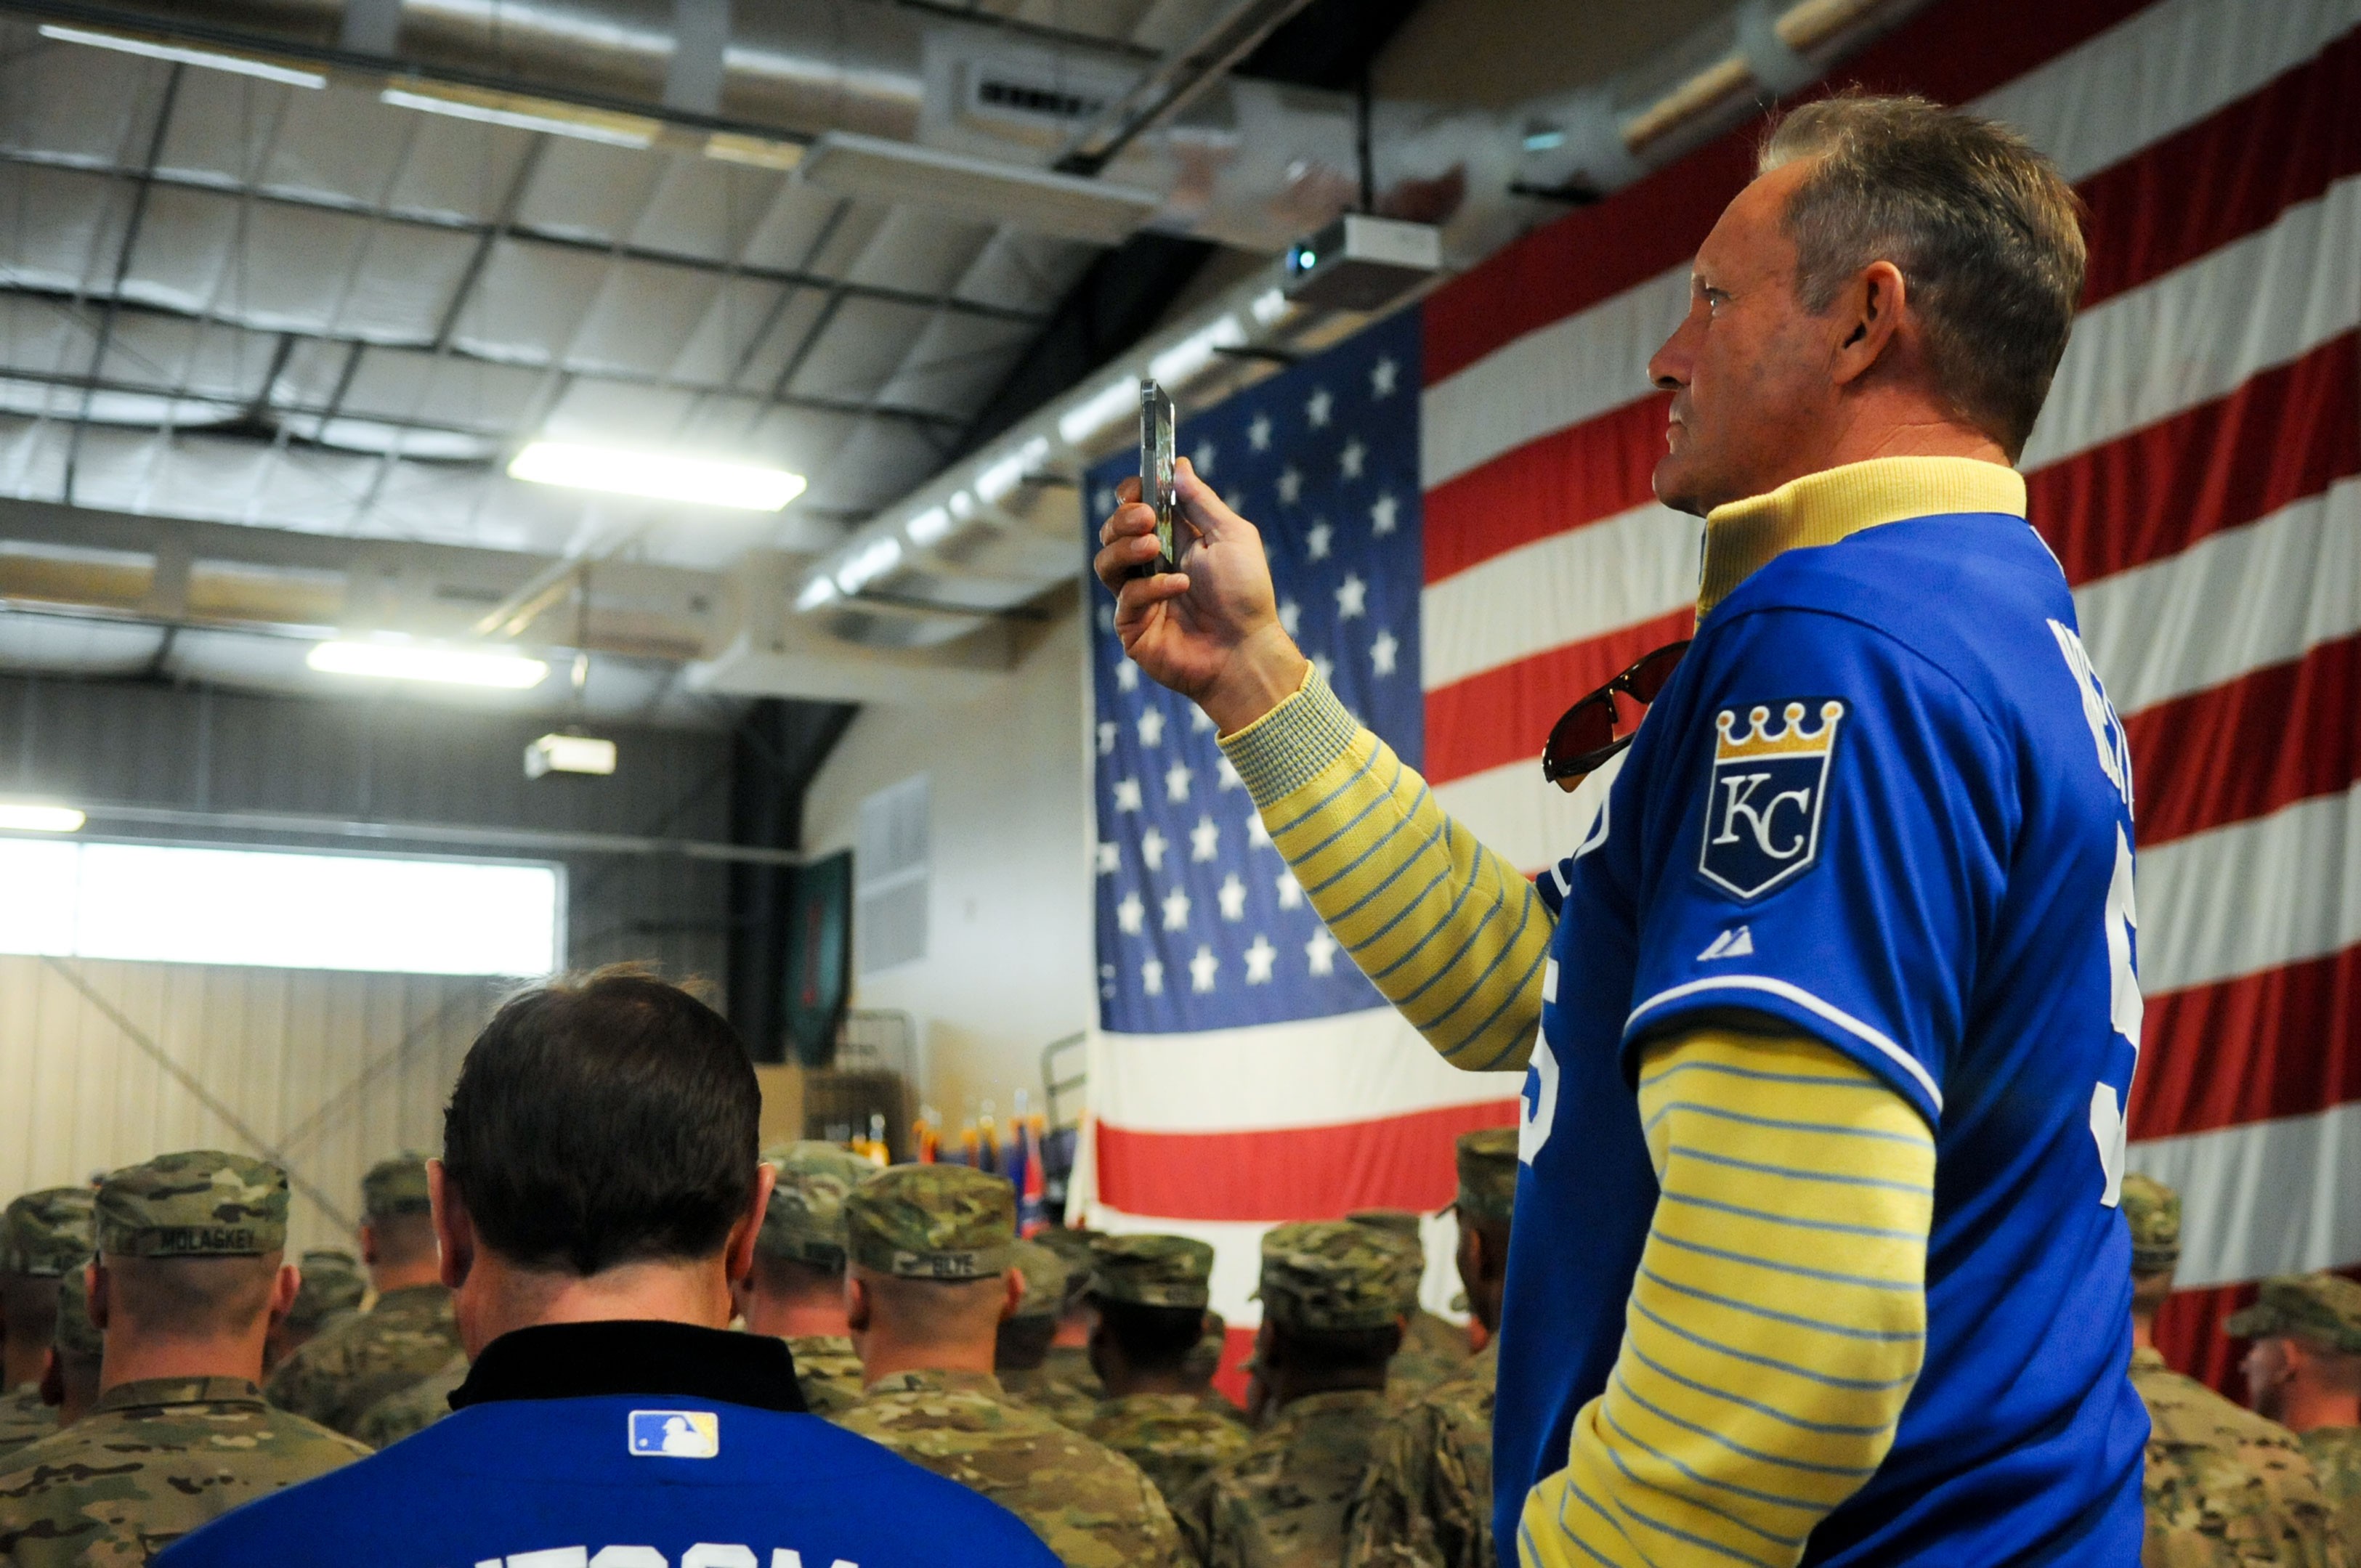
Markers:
(1792, 741)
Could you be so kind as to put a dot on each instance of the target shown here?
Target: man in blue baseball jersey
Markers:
(1830, 1021)
(598, 1193)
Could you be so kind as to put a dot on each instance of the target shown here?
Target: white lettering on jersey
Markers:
(2106, 730)
(2125, 1007)
(711, 1555)
(704, 1554)
(626, 1557)
(2107, 1130)
(1537, 1109)
(553, 1557)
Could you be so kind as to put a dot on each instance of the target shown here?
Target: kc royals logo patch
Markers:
(1762, 823)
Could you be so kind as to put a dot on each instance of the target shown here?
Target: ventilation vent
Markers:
(889, 875)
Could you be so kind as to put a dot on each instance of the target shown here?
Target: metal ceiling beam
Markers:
(1174, 83)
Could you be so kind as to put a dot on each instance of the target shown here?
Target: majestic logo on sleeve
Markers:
(1762, 823)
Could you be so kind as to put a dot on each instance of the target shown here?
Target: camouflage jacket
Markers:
(414, 1409)
(1175, 1438)
(2335, 1454)
(407, 1337)
(2223, 1486)
(828, 1372)
(1070, 1365)
(1053, 1396)
(1427, 1498)
(1433, 1351)
(1090, 1504)
(151, 1462)
(24, 1418)
(1281, 1502)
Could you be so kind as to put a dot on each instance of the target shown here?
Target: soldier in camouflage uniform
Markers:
(2223, 1486)
(407, 1336)
(1069, 1360)
(930, 1249)
(2304, 1370)
(44, 1235)
(1150, 1293)
(796, 1289)
(1427, 1498)
(1433, 1348)
(414, 1409)
(77, 1351)
(180, 1434)
(333, 1290)
(1019, 1357)
(1331, 1319)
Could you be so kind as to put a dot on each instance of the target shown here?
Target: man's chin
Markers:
(1676, 484)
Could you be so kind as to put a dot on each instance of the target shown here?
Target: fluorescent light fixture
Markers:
(31, 817)
(870, 562)
(182, 55)
(816, 592)
(551, 119)
(569, 755)
(1182, 361)
(1116, 399)
(988, 189)
(929, 526)
(1545, 141)
(413, 662)
(657, 475)
(999, 478)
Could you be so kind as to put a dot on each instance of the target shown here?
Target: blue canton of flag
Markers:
(1200, 923)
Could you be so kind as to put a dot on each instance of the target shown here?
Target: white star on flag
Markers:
(1106, 736)
(1127, 677)
(1102, 502)
(1382, 652)
(1233, 897)
(1204, 839)
(1152, 845)
(1129, 914)
(1291, 485)
(1176, 781)
(1229, 773)
(1202, 458)
(1315, 542)
(1381, 514)
(1290, 892)
(1382, 378)
(1106, 617)
(1255, 832)
(1289, 612)
(1326, 665)
(1126, 795)
(1176, 910)
(1151, 977)
(1202, 970)
(1259, 434)
(1320, 950)
(1259, 959)
(1349, 595)
(1198, 719)
(1110, 858)
(1350, 459)
(1316, 409)
(1151, 727)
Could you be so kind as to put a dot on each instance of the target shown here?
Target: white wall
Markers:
(1010, 943)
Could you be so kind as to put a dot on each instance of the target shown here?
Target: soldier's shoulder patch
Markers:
(1767, 796)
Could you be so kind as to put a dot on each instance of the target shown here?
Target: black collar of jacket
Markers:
(573, 1361)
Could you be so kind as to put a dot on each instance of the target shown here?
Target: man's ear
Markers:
(455, 1232)
(95, 1283)
(1868, 312)
(739, 1255)
(1013, 1291)
(2296, 1359)
(369, 1242)
(290, 1280)
(856, 1302)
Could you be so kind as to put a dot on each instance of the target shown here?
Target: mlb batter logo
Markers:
(674, 1434)
(1762, 823)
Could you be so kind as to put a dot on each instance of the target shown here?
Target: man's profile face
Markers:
(2266, 1367)
(1748, 368)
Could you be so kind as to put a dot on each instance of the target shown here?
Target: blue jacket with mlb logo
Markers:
(624, 1445)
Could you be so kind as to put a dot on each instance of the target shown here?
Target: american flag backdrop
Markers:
(2198, 473)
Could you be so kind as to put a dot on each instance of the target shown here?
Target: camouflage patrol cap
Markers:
(805, 1222)
(1487, 1174)
(1045, 1274)
(1329, 1275)
(198, 1204)
(1071, 1243)
(46, 1234)
(396, 1186)
(1151, 1271)
(2153, 1212)
(1399, 1228)
(75, 1334)
(932, 1221)
(332, 1284)
(2324, 1309)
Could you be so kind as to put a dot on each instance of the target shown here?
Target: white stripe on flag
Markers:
(2252, 896)
(2262, 1199)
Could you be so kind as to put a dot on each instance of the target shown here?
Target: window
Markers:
(889, 875)
(283, 908)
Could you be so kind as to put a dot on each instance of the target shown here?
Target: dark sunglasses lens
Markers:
(1587, 727)
(1649, 675)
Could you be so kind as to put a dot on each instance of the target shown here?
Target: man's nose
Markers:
(1668, 368)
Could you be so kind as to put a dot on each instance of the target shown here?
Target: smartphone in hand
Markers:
(1155, 473)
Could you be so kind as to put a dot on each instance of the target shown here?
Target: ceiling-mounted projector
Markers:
(1362, 263)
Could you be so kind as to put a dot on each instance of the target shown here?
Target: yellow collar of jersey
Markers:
(1820, 508)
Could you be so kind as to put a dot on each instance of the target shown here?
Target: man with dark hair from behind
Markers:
(44, 1236)
(599, 1191)
(1150, 1293)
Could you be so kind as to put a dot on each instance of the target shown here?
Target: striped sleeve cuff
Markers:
(1287, 748)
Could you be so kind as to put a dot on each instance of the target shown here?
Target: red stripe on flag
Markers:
(1956, 52)
(2223, 755)
(2204, 186)
(2188, 1336)
(1503, 716)
(1569, 477)
(2288, 433)
(1290, 1173)
(2291, 1037)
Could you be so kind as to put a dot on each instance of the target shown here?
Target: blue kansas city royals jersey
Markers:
(1885, 802)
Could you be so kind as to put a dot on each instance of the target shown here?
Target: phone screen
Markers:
(1156, 469)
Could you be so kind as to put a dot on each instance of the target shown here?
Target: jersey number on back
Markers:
(2122, 918)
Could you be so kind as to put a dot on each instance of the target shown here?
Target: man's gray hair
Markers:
(1986, 233)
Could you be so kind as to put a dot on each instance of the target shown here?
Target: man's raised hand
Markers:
(1211, 630)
